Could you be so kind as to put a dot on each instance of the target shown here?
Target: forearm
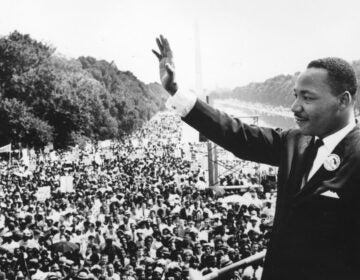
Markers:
(245, 141)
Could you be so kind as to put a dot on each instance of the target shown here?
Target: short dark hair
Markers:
(341, 75)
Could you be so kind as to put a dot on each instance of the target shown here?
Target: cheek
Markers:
(318, 113)
(327, 114)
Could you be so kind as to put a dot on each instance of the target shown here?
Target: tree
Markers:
(44, 97)
(19, 124)
(26, 82)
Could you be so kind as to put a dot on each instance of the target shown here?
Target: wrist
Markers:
(182, 102)
(172, 88)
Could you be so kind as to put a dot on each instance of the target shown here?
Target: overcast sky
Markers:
(240, 41)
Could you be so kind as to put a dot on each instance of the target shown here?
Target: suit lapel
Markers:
(320, 175)
(297, 166)
(313, 186)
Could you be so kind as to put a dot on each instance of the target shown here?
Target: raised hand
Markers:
(166, 65)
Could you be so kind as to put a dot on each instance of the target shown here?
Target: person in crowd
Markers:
(173, 228)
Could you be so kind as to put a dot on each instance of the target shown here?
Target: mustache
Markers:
(299, 116)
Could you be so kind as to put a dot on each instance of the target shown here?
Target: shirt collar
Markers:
(331, 141)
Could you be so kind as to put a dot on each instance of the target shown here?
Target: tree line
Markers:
(48, 98)
(276, 91)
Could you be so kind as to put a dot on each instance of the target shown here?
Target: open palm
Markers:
(166, 65)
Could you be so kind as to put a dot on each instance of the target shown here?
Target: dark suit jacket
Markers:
(314, 237)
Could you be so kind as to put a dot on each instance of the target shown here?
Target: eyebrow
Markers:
(303, 91)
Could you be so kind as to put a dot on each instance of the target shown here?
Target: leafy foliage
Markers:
(45, 97)
(18, 124)
(128, 97)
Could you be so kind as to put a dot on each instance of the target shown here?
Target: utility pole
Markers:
(212, 157)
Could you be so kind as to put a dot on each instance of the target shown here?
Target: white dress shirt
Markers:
(330, 142)
(182, 102)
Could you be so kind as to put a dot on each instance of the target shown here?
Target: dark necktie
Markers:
(310, 157)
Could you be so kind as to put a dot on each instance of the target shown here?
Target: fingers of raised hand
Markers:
(160, 44)
(163, 40)
(167, 48)
(159, 56)
(164, 47)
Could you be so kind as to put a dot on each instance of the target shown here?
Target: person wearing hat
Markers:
(234, 254)
(253, 224)
(8, 241)
(129, 272)
(82, 275)
(54, 276)
(225, 261)
(28, 240)
(157, 273)
(19, 276)
(96, 270)
(55, 267)
(164, 253)
(208, 251)
(187, 256)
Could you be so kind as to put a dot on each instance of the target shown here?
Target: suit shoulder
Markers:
(351, 143)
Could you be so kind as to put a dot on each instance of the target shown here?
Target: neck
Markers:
(348, 118)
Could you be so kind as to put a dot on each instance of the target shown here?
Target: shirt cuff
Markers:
(182, 102)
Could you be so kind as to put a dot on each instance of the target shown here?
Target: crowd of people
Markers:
(135, 209)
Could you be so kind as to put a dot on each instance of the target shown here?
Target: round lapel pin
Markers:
(332, 162)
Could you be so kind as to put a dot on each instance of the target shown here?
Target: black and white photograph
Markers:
(179, 140)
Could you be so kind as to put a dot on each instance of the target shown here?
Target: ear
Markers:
(345, 99)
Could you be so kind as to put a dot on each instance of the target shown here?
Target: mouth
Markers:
(300, 120)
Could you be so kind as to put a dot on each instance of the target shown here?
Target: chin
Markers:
(306, 131)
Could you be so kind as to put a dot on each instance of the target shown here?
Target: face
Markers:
(104, 259)
(187, 257)
(74, 269)
(208, 250)
(139, 253)
(110, 269)
(198, 249)
(316, 108)
(141, 274)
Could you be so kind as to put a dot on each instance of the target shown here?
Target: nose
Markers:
(296, 106)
